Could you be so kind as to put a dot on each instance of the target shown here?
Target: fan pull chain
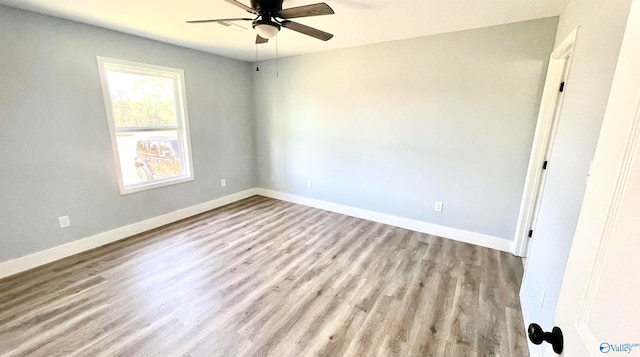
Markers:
(257, 68)
(277, 59)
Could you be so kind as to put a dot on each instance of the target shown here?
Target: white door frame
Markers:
(549, 106)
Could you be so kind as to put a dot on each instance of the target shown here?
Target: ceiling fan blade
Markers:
(306, 10)
(260, 40)
(309, 31)
(242, 6)
(219, 20)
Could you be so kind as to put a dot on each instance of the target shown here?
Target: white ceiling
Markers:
(355, 23)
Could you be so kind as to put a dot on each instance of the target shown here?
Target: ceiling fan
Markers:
(270, 17)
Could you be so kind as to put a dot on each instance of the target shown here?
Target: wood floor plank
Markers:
(263, 277)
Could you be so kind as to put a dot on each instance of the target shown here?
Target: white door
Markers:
(599, 305)
(564, 63)
(548, 117)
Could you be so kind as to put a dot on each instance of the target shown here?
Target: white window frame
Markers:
(181, 119)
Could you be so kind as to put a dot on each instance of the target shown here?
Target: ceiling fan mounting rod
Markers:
(270, 7)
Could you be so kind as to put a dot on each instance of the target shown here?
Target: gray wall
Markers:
(55, 151)
(391, 127)
(394, 127)
(602, 24)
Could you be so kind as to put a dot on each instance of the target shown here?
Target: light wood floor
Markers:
(262, 277)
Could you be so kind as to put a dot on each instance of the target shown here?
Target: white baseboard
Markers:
(483, 240)
(30, 261)
(527, 318)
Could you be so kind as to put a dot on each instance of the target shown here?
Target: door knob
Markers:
(537, 336)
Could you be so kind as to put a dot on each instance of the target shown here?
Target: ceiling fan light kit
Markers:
(270, 17)
(266, 29)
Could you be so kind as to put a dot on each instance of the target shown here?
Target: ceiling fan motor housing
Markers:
(265, 20)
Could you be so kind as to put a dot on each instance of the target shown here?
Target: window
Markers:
(147, 112)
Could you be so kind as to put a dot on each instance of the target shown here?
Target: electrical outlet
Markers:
(542, 294)
(223, 183)
(64, 221)
(438, 207)
(309, 184)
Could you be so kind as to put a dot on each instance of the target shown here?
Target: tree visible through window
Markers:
(147, 114)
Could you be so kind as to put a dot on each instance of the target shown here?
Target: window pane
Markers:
(141, 100)
(149, 156)
(147, 112)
